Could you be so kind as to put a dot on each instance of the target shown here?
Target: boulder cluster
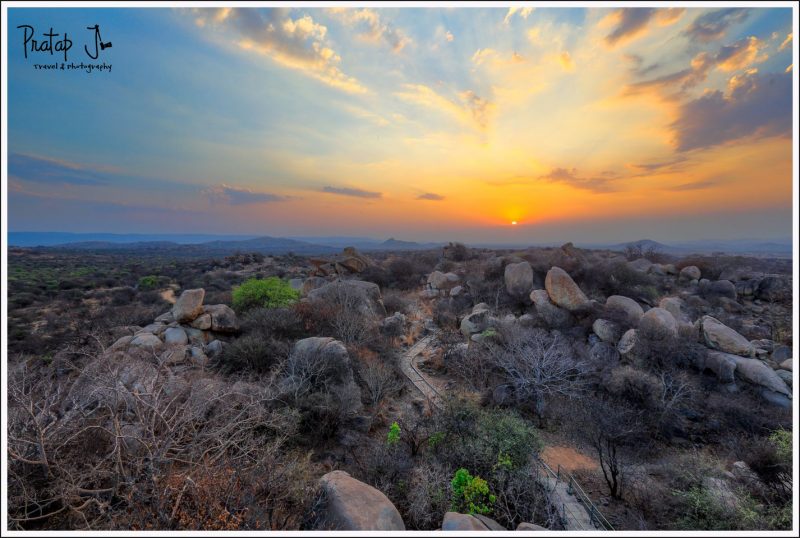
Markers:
(191, 328)
(350, 261)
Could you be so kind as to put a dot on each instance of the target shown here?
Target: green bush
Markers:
(270, 292)
(470, 494)
(148, 282)
(394, 434)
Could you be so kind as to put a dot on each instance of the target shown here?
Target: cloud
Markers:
(371, 27)
(521, 12)
(569, 176)
(430, 196)
(786, 42)
(294, 43)
(669, 165)
(228, 194)
(348, 191)
(632, 22)
(566, 61)
(711, 26)
(692, 186)
(740, 54)
(755, 105)
(45, 170)
(469, 108)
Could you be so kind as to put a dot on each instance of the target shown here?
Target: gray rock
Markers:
(476, 322)
(394, 324)
(690, 272)
(202, 322)
(453, 521)
(629, 346)
(197, 337)
(147, 341)
(563, 291)
(352, 505)
(604, 353)
(719, 288)
(658, 324)
(774, 289)
(365, 296)
(641, 265)
(717, 335)
(121, 343)
(756, 372)
(607, 331)
(780, 353)
(786, 376)
(223, 318)
(776, 399)
(456, 291)
(189, 305)
(198, 356)
(554, 316)
(175, 336)
(626, 307)
(524, 526)
(166, 317)
(312, 283)
(296, 283)
(214, 348)
(787, 365)
(519, 280)
(153, 328)
(721, 364)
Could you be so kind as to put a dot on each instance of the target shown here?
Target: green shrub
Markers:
(470, 494)
(270, 292)
(394, 434)
(148, 282)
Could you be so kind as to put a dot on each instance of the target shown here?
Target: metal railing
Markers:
(594, 513)
(574, 489)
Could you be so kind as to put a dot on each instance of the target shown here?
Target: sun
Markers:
(513, 223)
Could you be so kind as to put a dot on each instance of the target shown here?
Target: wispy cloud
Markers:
(569, 176)
(633, 22)
(692, 186)
(228, 194)
(430, 196)
(46, 170)
(711, 26)
(371, 27)
(349, 191)
(470, 108)
(786, 42)
(298, 43)
(521, 12)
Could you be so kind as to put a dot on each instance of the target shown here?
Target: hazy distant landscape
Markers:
(361, 268)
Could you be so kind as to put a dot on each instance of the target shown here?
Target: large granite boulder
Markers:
(626, 308)
(352, 505)
(721, 364)
(477, 321)
(719, 336)
(690, 272)
(554, 316)
(774, 289)
(756, 372)
(658, 324)
(223, 318)
(361, 295)
(353, 261)
(563, 291)
(175, 336)
(719, 288)
(519, 280)
(607, 331)
(189, 305)
(453, 521)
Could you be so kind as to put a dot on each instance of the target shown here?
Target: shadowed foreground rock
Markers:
(354, 506)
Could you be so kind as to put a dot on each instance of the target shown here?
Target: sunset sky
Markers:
(580, 124)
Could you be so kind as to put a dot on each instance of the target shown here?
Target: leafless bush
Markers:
(380, 380)
(538, 365)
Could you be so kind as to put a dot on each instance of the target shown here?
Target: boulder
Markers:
(719, 336)
(196, 336)
(189, 305)
(787, 365)
(175, 336)
(147, 341)
(453, 521)
(554, 316)
(214, 348)
(658, 324)
(626, 307)
(166, 317)
(775, 398)
(719, 288)
(121, 343)
(780, 353)
(721, 364)
(153, 328)
(198, 357)
(563, 291)
(519, 280)
(353, 261)
(296, 283)
(361, 295)
(641, 265)
(456, 291)
(786, 376)
(690, 272)
(756, 372)
(774, 289)
(475, 322)
(657, 269)
(202, 322)
(629, 346)
(223, 318)
(312, 283)
(394, 324)
(607, 331)
(352, 505)
(437, 281)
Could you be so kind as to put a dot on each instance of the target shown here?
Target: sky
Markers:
(427, 124)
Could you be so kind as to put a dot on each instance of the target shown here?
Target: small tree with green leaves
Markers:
(471, 494)
(270, 292)
(148, 282)
(394, 434)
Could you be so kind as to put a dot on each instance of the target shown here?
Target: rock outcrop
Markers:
(454, 521)
(719, 336)
(563, 291)
(554, 316)
(519, 280)
(658, 324)
(363, 296)
(624, 307)
(352, 505)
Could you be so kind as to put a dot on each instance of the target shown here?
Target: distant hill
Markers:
(45, 239)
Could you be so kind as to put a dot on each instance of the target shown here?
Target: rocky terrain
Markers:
(393, 392)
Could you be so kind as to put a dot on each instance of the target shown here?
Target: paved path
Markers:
(415, 376)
